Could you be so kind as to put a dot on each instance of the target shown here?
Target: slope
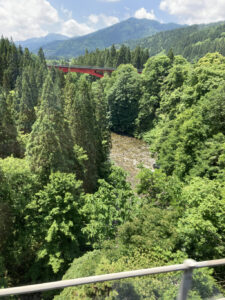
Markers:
(115, 34)
(34, 44)
(191, 42)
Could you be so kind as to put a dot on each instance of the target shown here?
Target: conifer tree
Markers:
(82, 123)
(137, 60)
(112, 59)
(8, 133)
(26, 116)
(121, 56)
(103, 136)
(41, 57)
(50, 147)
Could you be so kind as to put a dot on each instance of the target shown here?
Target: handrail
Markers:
(187, 266)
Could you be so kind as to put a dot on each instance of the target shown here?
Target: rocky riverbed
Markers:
(128, 153)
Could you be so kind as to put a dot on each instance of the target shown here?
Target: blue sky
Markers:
(23, 19)
(121, 9)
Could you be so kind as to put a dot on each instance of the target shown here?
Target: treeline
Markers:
(192, 42)
(113, 58)
(65, 208)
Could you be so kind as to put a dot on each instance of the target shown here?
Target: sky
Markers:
(23, 19)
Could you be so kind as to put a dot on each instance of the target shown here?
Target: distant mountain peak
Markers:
(118, 33)
(35, 43)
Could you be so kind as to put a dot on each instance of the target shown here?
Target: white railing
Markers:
(185, 286)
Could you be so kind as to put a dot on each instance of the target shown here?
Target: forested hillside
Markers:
(66, 211)
(115, 34)
(192, 42)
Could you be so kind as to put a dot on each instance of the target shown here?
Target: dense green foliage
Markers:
(65, 208)
(123, 96)
(113, 58)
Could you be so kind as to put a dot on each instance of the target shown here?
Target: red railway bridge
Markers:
(95, 71)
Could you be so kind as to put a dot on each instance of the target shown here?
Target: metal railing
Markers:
(185, 286)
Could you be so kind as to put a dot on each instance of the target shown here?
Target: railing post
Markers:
(186, 280)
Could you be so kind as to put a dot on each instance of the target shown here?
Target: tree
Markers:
(156, 69)
(83, 126)
(121, 56)
(137, 59)
(103, 137)
(50, 146)
(28, 101)
(170, 54)
(201, 229)
(123, 99)
(107, 208)
(8, 133)
(59, 239)
(18, 186)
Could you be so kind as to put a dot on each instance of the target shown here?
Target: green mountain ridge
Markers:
(192, 42)
(115, 34)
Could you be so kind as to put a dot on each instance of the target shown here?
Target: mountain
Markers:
(35, 43)
(115, 34)
(192, 42)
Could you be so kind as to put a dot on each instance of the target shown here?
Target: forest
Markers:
(66, 211)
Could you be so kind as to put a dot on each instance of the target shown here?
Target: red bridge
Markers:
(96, 71)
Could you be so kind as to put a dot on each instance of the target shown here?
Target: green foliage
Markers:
(123, 99)
(28, 101)
(107, 208)
(10, 62)
(80, 111)
(201, 229)
(153, 75)
(190, 113)
(49, 146)
(18, 186)
(59, 239)
(158, 188)
(163, 286)
(103, 139)
(8, 133)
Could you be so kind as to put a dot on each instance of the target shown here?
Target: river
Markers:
(128, 153)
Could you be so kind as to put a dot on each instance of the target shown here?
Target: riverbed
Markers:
(129, 153)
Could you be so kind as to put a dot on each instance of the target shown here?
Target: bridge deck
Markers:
(91, 70)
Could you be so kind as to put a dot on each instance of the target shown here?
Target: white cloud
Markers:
(23, 19)
(73, 28)
(195, 11)
(142, 13)
(103, 20)
(93, 19)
